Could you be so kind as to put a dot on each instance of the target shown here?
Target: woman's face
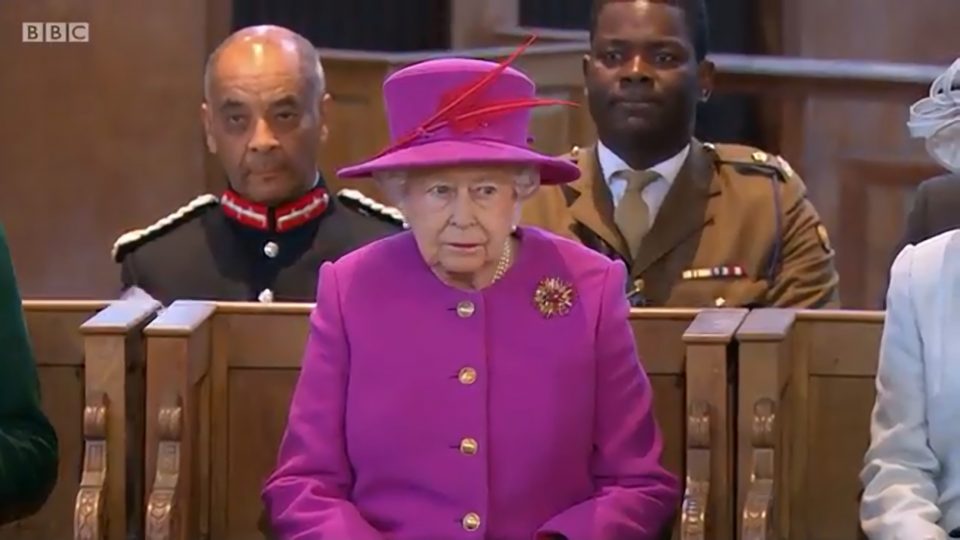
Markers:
(461, 217)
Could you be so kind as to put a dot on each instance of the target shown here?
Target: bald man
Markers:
(264, 114)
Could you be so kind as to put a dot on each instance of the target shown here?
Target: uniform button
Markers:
(465, 309)
(266, 296)
(720, 301)
(471, 521)
(467, 375)
(468, 446)
(271, 249)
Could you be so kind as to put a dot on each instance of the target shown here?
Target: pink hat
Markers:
(458, 111)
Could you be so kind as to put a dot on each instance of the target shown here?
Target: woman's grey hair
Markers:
(393, 184)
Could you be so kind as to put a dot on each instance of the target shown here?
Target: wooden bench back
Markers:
(220, 378)
(90, 362)
(806, 391)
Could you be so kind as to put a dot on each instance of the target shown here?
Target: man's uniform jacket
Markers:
(735, 230)
(230, 249)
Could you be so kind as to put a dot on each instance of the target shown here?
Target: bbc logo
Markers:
(39, 32)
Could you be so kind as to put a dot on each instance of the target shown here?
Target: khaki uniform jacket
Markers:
(735, 230)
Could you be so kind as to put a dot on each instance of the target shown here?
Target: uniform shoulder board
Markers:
(749, 160)
(367, 206)
(131, 240)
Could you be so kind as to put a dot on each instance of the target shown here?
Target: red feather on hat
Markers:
(463, 110)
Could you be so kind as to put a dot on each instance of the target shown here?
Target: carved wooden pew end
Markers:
(695, 497)
(161, 514)
(89, 521)
(758, 507)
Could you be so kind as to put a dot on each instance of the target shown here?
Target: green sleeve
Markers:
(28, 444)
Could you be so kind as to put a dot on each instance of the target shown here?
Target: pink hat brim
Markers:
(448, 153)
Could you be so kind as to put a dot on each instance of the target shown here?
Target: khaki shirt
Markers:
(735, 230)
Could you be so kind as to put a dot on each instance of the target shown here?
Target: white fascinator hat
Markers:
(937, 119)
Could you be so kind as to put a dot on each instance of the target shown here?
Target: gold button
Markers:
(720, 302)
(467, 375)
(468, 446)
(465, 309)
(471, 521)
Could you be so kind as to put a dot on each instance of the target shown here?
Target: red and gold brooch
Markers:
(553, 297)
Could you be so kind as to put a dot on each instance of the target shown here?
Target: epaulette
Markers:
(131, 240)
(749, 160)
(369, 207)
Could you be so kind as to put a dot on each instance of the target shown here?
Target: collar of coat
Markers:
(683, 213)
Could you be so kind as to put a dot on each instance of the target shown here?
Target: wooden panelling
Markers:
(101, 136)
(474, 24)
(836, 142)
(875, 194)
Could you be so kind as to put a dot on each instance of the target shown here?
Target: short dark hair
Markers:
(695, 13)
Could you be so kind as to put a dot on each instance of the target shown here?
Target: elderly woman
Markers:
(28, 444)
(468, 378)
(912, 473)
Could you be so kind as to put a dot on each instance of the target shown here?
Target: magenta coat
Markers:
(424, 412)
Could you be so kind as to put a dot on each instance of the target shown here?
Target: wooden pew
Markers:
(220, 377)
(90, 363)
(806, 391)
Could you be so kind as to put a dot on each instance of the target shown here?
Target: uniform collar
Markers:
(279, 219)
(611, 164)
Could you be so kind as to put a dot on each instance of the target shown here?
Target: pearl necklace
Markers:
(504, 261)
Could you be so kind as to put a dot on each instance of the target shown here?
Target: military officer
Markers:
(266, 236)
(699, 225)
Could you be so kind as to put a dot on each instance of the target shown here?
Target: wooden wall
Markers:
(857, 156)
(100, 136)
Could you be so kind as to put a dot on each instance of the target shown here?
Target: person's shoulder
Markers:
(747, 162)
(167, 228)
(935, 247)
(385, 254)
(370, 212)
(926, 261)
(574, 255)
(938, 185)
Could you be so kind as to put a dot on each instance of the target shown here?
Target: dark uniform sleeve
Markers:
(916, 229)
(128, 273)
(807, 277)
(28, 444)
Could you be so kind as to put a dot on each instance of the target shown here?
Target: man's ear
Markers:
(324, 108)
(705, 77)
(207, 118)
